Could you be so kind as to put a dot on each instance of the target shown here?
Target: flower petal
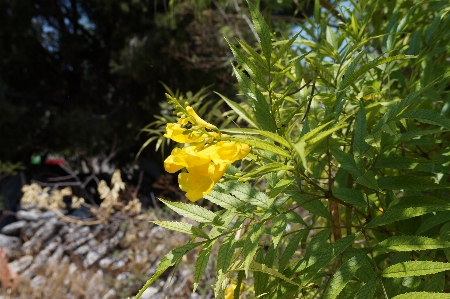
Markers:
(199, 120)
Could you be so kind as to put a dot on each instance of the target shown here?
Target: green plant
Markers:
(345, 191)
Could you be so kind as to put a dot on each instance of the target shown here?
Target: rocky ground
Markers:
(56, 258)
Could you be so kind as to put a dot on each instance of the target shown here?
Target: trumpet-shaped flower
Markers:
(226, 151)
(199, 120)
(200, 180)
(186, 157)
(177, 133)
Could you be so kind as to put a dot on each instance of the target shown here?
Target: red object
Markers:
(59, 162)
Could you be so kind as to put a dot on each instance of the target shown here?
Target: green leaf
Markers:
(345, 273)
(247, 48)
(190, 211)
(397, 214)
(182, 227)
(435, 284)
(415, 268)
(254, 266)
(167, 261)
(246, 193)
(359, 143)
(249, 66)
(399, 107)
(280, 186)
(312, 204)
(252, 238)
(368, 180)
(409, 182)
(347, 161)
(278, 228)
(367, 290)
(263, 31)
(290, 249)
(286, 47)
(259, 103)
(239, 111)
(400, 162)
(225, 254)
(427, 117)
(422, 295)
(202, 262)
(264, 145)
(408, 243)
(273, 136)
(226, 201)
(267, 168)
(350, 196)
(328, 255)
(434, 220)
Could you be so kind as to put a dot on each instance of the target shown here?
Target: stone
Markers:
(149, 293)
(9, 241)
(31, 228)
(27, 215)
(21, 264)
(14, 228)
(37, 282)
(42, 235)
(106, 262)
(95, 286)
(94, 255)
(111, 294)
(82, 250)
(124, 276)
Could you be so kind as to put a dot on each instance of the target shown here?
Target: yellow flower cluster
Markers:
(204, 161)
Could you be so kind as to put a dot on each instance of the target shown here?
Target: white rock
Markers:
(149, 293)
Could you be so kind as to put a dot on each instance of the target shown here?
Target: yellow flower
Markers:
(186, 157)
(175, 132)
(200, 180)
(229, 292)
(227, 151)
(198, 119)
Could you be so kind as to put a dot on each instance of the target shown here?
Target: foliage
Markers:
(345, 191)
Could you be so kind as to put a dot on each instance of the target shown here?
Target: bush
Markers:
(344, 192)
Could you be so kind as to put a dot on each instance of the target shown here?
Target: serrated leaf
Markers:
(254, 266)
(267, 168)
(428, 117)
(247, 48)
(279, 187)
(408, 243)
(263, 31)
(314, 249)
(260, 106)
(347, 161)
(182, 227)
(345, 273)
(252, 238)
(409, 182)
(422, 295)
(202, 262)
(359, 143)
(239, 111)
(312, 143)
(311, 203)
(290, 249)
(433, 221)
(249, 66)
(273, 136)
(415, 268)
(367, 290)
(368, 180)
(397, 214)
(167, 261)
(400, 162)
(278, 228)
(436, 283)
(246, 193)
(399, 107)
(226, 201)
(190, 211)
(327, 256)
(350, 196)
(287, 46)
(264, 145)
(225, 254)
